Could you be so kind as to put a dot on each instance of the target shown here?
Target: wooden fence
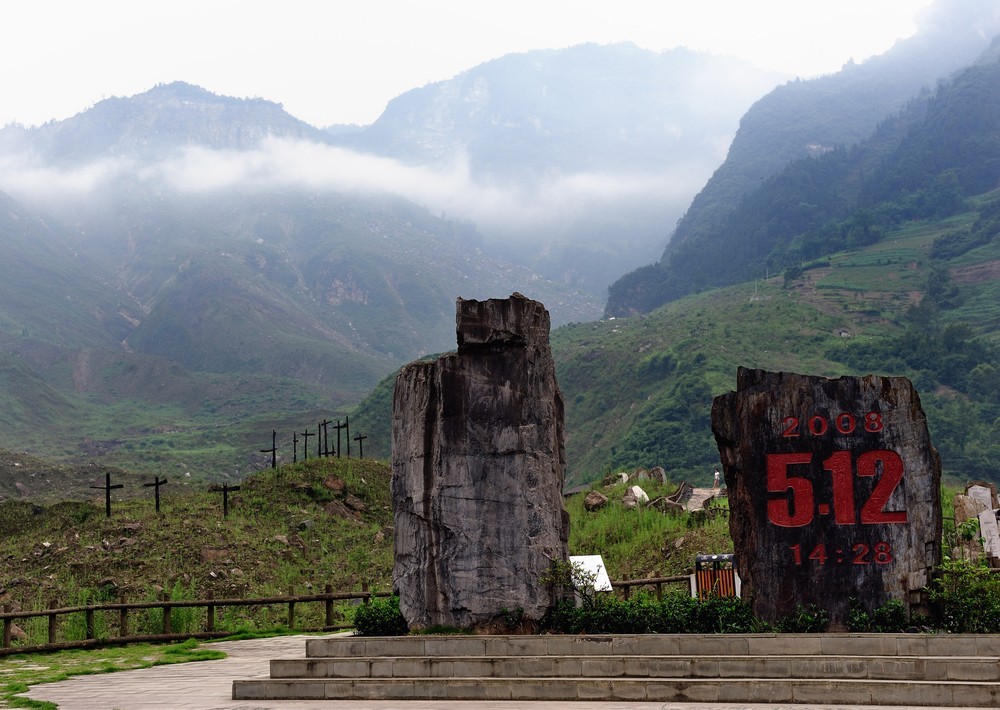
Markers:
(166, 605)
(626, 584)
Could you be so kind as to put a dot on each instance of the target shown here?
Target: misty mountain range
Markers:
(210, 259)
(799, 121)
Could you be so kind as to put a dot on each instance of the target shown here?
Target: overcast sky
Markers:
(341, 61)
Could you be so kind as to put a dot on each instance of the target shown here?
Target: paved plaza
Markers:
(207, 685)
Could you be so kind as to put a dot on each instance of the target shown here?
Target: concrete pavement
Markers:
(207, 685)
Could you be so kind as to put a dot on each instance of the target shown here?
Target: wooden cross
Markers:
(156, 489)
(361, 447)
(273, 450)
(305, 444)
(226, 490)
(339, 427)
(107, 487)
(295, 447)
(323, 444)
(347, 427)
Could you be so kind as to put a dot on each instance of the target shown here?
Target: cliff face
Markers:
(478, 469)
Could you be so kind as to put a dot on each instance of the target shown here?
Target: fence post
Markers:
(166, 612)
(365, 598)
(329, 605)
(88, 617)
(627, 588)
(210, 614)
(659, 587)
(53, 620)
(123, 622)
(291, 607)
(6, 626)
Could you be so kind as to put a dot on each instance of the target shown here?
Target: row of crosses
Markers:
(107, 488)
(322, 435)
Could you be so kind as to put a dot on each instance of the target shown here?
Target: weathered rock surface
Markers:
(478, 468)
(595, 500)
(834, 490)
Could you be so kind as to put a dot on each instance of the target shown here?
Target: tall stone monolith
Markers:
(834, 491)
(478, 465)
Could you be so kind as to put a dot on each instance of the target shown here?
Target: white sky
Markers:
(341, 61)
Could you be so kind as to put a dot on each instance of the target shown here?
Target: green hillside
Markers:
(639, 390)
(917, 164)
(327, 521)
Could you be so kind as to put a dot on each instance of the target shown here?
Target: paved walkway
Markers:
(207, 685)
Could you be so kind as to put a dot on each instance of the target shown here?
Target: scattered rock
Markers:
(355, 503)
(214, 554)
(335, 484)
(640, 495)
(338, 508)
(595, 500)
(629, 501)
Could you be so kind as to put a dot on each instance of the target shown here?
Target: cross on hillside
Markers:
(361, 446)
(156, 489)
(305, 444)
(107, 488)
(273, 450)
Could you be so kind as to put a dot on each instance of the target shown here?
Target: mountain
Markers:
(585, 155)
(639, 390)
(183, 271)
(890, 252)
(799, 120)
(143, 292)
(161, 121)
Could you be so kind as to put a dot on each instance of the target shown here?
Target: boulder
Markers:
(595, 501)
(640, 495)
(478, 466)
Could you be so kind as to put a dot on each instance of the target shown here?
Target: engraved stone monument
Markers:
(833, 490)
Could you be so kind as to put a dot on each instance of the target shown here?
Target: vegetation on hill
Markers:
(920, 302)
(917, 164)
(325, 521)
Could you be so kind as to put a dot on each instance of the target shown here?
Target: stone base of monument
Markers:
(857, 669)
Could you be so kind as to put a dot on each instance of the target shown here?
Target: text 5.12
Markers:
(798, 506)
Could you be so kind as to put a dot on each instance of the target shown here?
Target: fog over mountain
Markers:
(573, 162)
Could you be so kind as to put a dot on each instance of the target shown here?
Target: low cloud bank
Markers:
(284, 164)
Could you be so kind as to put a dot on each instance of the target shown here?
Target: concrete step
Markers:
(857, 669)
(866, 645)
(748, 690)
(980, 669)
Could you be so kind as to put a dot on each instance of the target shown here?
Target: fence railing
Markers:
(167, 633)
(626, 584)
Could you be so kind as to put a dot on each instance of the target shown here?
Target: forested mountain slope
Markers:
(805, 119)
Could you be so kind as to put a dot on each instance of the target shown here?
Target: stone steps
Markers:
(860, 669)
(843, 667)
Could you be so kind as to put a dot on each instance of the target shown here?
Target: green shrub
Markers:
(675, 613)
(380, 617)
(889, 618)
(808, 619)
(966, 598)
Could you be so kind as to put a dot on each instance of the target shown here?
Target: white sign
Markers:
(586, 567)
